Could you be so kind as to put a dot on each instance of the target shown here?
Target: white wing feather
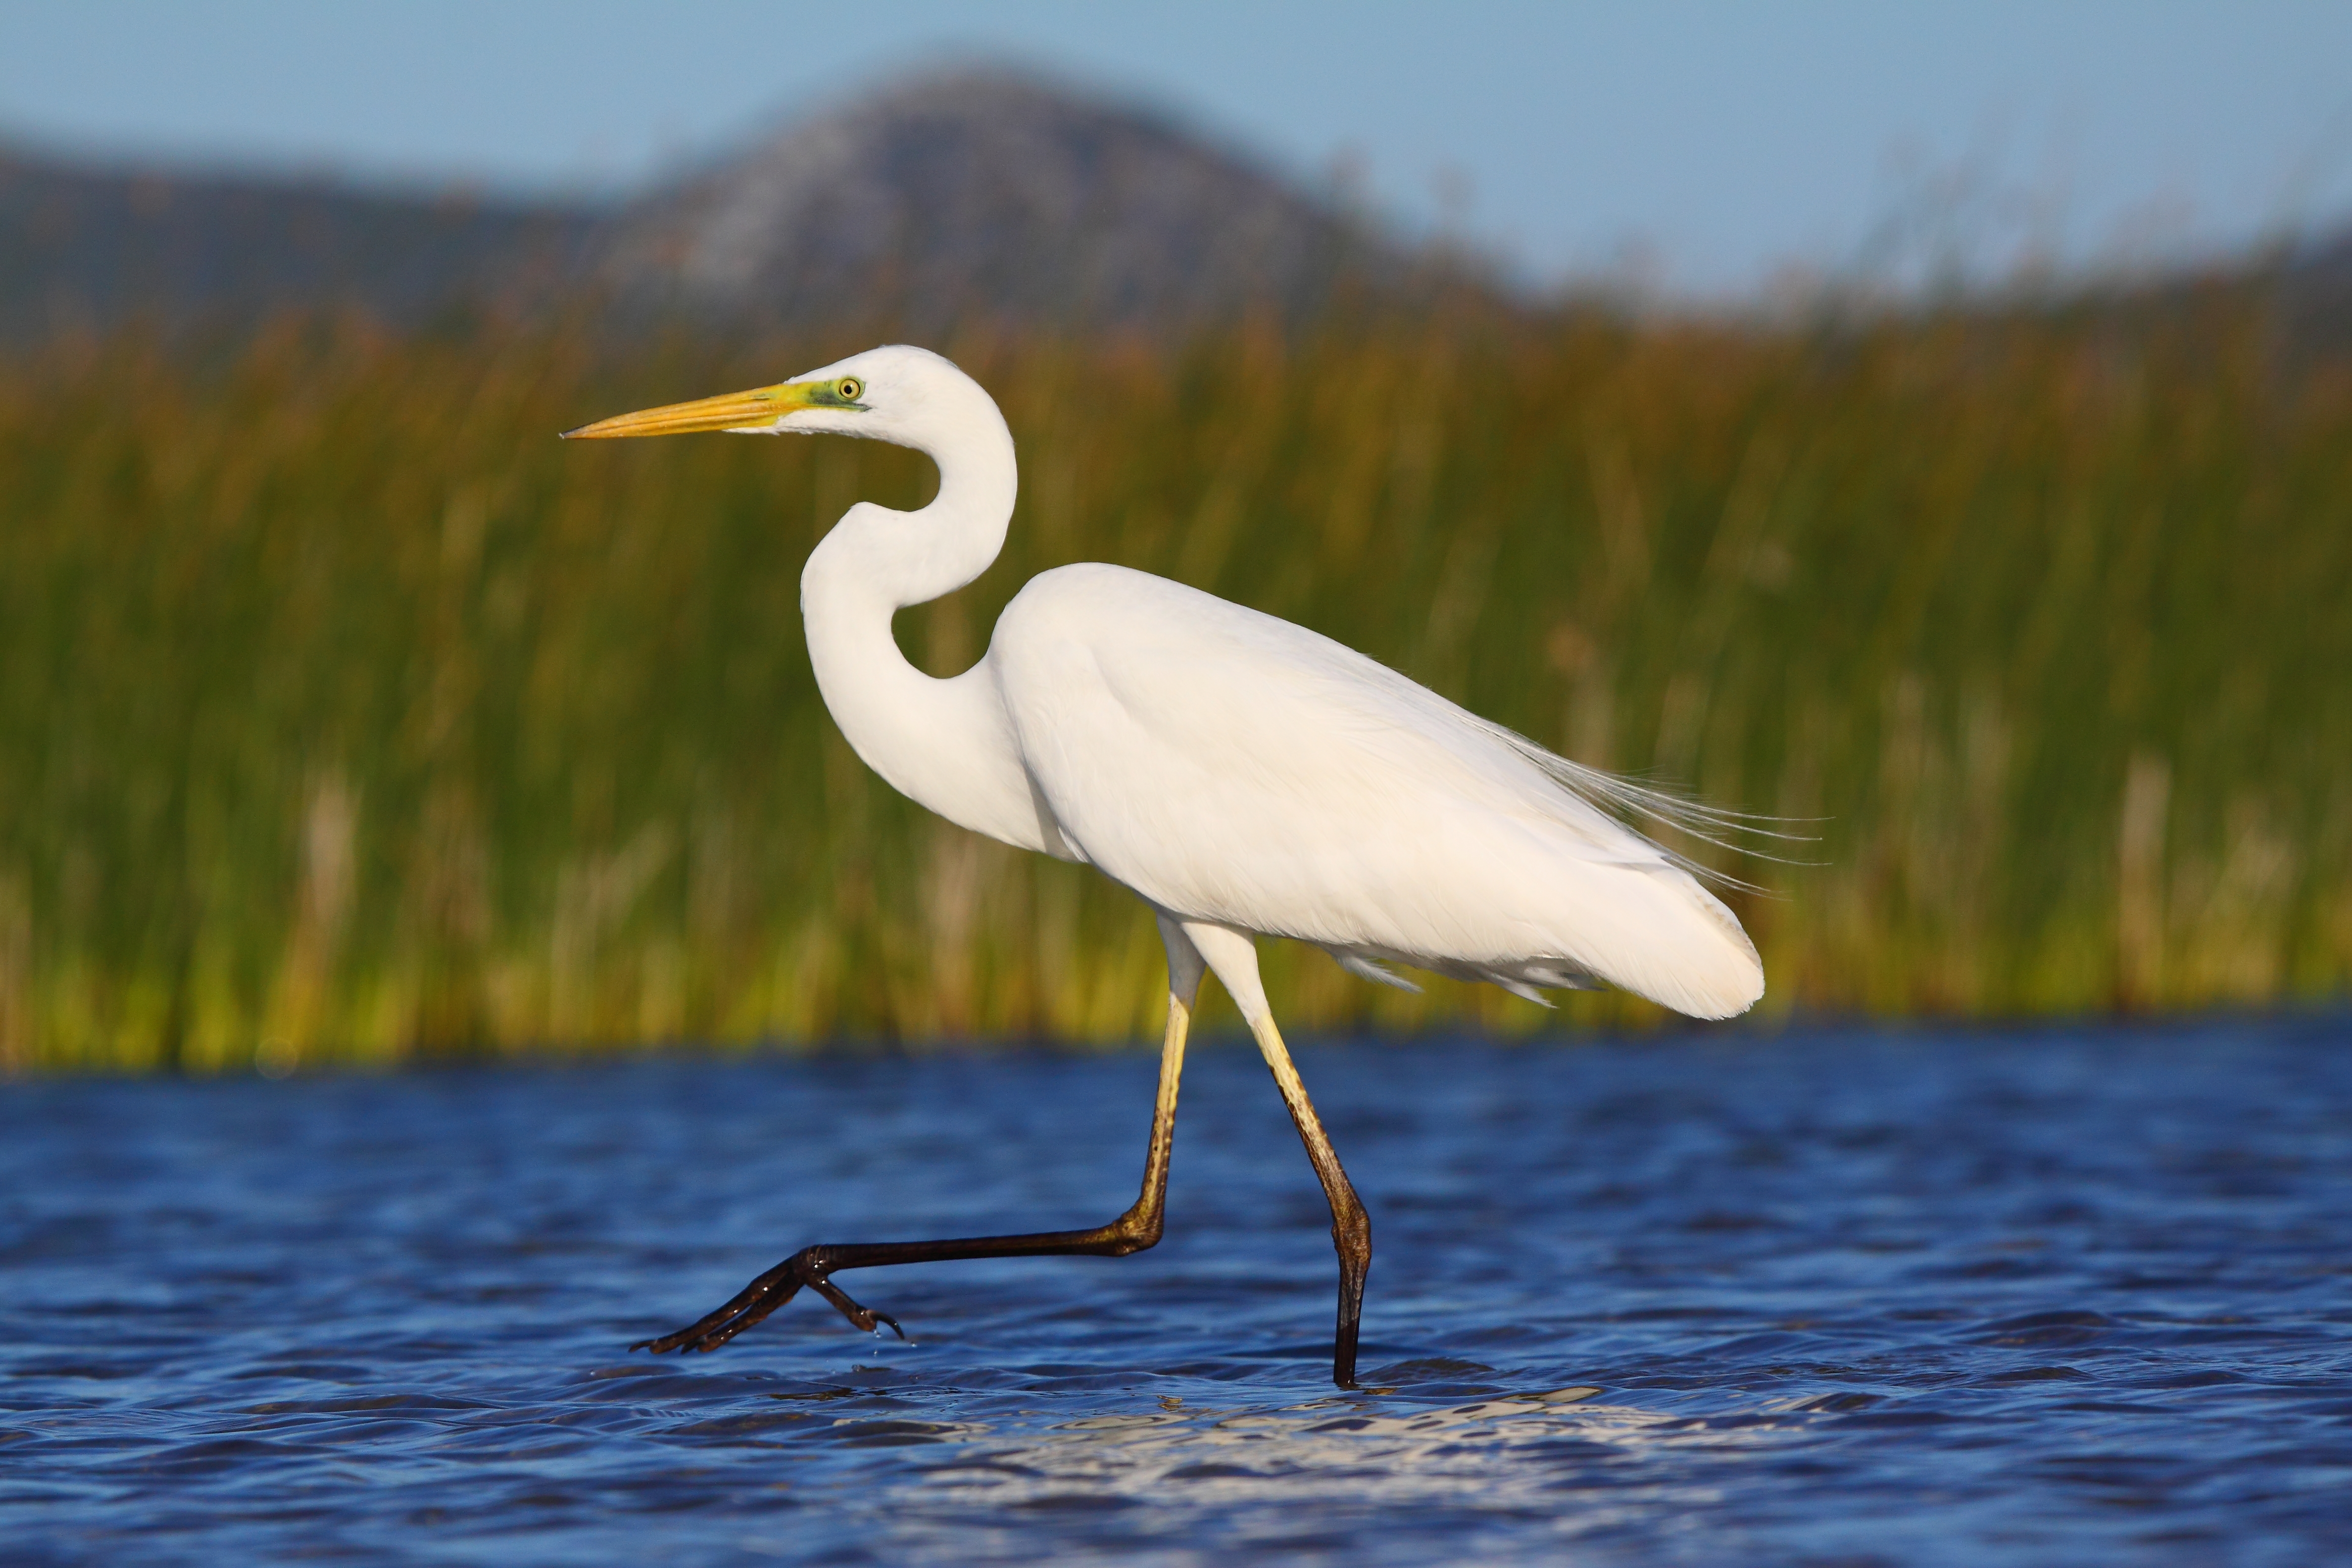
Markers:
(1232, 767)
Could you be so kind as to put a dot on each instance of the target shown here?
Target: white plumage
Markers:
(1245, 777)
(1234, 768)
(1229, 767)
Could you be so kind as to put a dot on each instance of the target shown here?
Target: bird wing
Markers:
(1232, 767)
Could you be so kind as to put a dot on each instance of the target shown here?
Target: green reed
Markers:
(344, 714)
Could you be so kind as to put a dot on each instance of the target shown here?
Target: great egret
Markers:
(1243, 776)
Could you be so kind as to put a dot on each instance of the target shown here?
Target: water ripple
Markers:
(1829, 1297)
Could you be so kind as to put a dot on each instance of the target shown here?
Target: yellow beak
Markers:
(754, 410)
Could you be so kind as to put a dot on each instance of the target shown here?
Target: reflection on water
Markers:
(1840, 1297)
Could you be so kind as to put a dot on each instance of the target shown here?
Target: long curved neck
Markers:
(945, 743)
(875, 555)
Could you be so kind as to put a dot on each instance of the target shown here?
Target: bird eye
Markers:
(850, 388)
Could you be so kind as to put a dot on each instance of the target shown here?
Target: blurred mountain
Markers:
(942, 198)
(994, 194)
(963, 195)
(2315, 297)
(88, 247)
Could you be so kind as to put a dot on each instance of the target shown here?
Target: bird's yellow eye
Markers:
(849, 387)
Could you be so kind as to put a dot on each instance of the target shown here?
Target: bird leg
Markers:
(1133, 1231)
(1233, 956)
(1351, 1228)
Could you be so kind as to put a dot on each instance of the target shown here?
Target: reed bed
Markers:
(347, 715)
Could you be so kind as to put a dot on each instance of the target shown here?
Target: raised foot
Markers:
(811, 1267)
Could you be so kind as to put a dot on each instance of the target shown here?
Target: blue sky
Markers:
(1704, 148)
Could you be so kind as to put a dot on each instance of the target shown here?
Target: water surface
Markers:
(1833, 1298)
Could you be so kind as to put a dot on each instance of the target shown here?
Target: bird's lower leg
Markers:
(813, 1267)
(1351, 1228)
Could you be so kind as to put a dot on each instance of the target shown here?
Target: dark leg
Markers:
(1351, 1228)
(1234, 958)
(1138, 1228)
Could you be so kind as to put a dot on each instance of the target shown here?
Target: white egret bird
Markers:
(1243, 776)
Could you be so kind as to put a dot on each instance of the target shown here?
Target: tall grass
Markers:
(345, 713)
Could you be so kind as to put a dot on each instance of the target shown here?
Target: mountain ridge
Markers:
(938, 199)
(976, 194)
(996, 194)
(88, 246)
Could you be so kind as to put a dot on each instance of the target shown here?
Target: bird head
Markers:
(881, 394)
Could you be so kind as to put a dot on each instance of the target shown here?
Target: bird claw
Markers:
(762, 1296)
(865, 1317)
(758, 1298)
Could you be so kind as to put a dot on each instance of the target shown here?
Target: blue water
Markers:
(1824, 1297)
